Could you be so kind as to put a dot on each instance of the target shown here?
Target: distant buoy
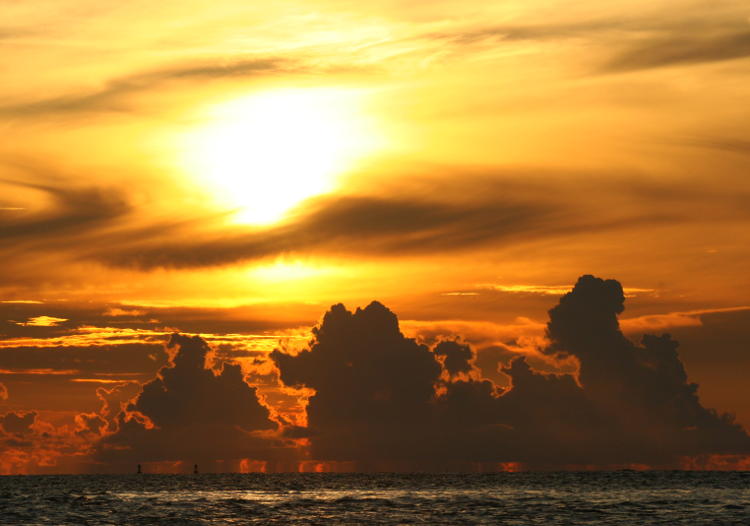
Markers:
(139, 469)
(195, 469)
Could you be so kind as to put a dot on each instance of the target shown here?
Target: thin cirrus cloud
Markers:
(101, 225)
(113, 95)
(672, 50)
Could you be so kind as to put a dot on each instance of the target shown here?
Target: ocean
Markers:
(549, 498)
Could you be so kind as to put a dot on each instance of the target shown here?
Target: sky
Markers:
(333, 235)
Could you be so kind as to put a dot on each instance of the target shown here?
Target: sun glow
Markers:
(266, 153)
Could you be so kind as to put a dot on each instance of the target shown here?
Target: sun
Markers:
(264, 154)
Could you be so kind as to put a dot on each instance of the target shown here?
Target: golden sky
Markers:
(235, 168)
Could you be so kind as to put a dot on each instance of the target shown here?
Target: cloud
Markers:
(142, 359)
(660, 37)
(672, 320)
(18, 423)
(381, 400)
(496, 213)
(112, 97)
(42, 321)
(364, 224)
(373, 386)
(682, 49)
(644, 388)
(3, 392)
(499, 211)
(457, 357)
(193, 413)
(72, 219)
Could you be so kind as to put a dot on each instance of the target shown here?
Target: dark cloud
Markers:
(499, 212)
(380, 397)
(193, 413)
(643, 389)
(502, 210)
(112, 97)
(682, 49)
(90, 424)
(718, 371)
(658, 38)
(359, 223)
(127, 359)
(373, 386)
(491, 211)
(18, 423)
(731, 145)
(72, 211)
(456, 357)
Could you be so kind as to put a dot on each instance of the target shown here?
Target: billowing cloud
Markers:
(193, 413)
(380, 399)
(646, 386)
(18, 423)
(456, 357)
(373, 386)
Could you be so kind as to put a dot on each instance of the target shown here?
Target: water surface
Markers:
(606, 498)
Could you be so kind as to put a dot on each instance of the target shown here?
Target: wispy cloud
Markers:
(113, 95)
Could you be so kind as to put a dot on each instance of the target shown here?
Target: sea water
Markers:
(550, 498)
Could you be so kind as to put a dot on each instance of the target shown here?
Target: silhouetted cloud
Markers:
(18, 423)
(380, 398)
(373, 387)
(457, 357)
(645, 386)
(193, 413)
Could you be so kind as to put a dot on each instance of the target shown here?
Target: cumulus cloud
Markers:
(380, 398)
(31, 445)
(644, 387)
(194, 413)
(456, 357)
(373, 386)
(364, 394)
(18, 423)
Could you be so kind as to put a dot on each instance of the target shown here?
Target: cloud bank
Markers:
(363, 396)
(380, 399)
